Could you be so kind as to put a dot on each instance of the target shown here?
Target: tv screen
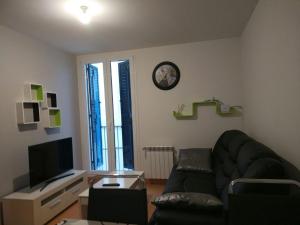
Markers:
(49, 160)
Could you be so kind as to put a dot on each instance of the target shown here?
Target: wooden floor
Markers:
(154, 189)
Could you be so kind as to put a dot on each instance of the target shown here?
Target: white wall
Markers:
(22, 60)
(271, 76)
(210, 68)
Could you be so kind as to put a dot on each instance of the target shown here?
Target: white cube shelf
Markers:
(52, 118)
(28, 112)
(50, 100)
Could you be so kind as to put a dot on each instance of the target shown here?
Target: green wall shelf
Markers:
(34, 92)
(52, 118)
(221, 109)
(28, 111)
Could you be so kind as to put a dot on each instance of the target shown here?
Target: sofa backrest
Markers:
(236, 155)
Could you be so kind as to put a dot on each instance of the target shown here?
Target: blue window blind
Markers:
(125, 96)
(94, 116)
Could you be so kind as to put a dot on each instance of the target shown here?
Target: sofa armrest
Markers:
(260, 181)
(263, 209)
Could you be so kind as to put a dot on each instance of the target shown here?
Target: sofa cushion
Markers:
(265, 168)
(175, 181)
(190, 181)
(182, 217)
(228, 146)
(251, 152)
(195, 159)
(200, 182)
(189, 201)
(236, 155)
(236, 143)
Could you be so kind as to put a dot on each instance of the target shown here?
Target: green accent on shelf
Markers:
(232, 112)
(39, 92)
(55, 113)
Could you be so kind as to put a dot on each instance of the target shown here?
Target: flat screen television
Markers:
(47, 161)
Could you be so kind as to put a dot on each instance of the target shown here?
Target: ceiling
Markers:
(127, 24)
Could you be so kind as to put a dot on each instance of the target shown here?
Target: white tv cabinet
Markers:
(38, 207)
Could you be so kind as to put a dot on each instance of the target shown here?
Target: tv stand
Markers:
(55, 179)
(40, 206)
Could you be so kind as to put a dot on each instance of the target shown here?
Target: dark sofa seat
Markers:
(180, 181)
(234, 156)
(182, 217)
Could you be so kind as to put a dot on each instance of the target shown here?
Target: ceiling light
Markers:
(83, 10)
(84, 17)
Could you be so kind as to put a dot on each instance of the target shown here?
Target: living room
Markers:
(240, 54)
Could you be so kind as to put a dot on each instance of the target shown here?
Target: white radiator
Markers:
(159, 161)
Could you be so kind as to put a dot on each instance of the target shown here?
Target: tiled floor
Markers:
(74, 212)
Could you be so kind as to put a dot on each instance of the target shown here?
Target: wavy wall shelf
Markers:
(221, 109)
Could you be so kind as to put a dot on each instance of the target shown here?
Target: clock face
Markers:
(166, 75)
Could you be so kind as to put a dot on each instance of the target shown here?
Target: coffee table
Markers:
(126, 173)
(125, 183)
(140, 175)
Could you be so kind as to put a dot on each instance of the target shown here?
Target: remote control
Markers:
(111, 184)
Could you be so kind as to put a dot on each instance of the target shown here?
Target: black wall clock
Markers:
(166, 75)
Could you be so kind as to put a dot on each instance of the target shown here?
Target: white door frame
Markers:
(83, 111)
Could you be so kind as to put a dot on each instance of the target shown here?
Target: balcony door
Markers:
(109, 115)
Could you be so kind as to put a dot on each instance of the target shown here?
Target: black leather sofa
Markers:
(254, 186)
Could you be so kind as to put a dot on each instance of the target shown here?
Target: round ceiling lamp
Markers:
(83, 10)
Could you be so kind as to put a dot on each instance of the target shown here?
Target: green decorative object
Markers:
(34, 92)
(38, 89)
(221, 109)
(54, 118)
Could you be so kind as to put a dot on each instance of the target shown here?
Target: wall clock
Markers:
(166, 75)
